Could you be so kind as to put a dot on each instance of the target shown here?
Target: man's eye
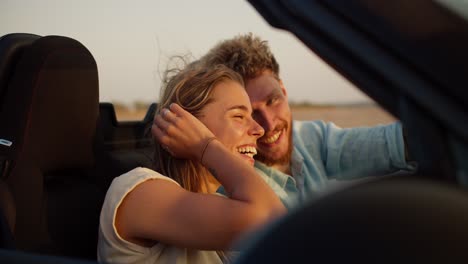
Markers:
(239, 116)
(272, 100)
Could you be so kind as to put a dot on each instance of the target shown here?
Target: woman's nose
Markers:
(256, 129)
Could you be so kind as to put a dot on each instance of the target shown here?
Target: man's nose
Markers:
(265, 119)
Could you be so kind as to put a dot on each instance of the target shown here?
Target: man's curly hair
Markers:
(247, 55)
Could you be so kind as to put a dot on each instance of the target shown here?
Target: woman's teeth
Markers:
(248, 151)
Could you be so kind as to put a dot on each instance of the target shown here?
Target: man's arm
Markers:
(362, 151)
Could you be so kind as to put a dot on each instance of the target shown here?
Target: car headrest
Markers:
(11, 48)
(49, 118)
(50, 108)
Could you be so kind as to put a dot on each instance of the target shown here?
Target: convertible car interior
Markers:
(60, 147)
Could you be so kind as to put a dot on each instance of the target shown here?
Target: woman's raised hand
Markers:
(181, 133)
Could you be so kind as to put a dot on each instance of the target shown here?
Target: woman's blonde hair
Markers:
(191, 88)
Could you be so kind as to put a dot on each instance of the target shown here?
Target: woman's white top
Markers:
(112, 248)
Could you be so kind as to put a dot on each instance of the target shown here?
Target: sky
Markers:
(132, 40)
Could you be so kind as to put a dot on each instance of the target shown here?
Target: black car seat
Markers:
(11, 49)
(49, 114)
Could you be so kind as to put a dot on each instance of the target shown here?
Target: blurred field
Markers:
(344, 116)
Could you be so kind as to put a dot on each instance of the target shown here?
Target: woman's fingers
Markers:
(168, 133)
(167, 115)
(161, 123)
(162, 138)
(170, 123)
(190, 123)
(170, 128)
(170, 118)
(177, 109)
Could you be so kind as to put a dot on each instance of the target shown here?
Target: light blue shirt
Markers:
(322, 151)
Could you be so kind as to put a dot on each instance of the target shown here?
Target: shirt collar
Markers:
(280, 177)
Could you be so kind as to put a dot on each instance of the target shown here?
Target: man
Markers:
(302, 156)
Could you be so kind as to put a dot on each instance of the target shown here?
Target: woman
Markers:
(207, 138)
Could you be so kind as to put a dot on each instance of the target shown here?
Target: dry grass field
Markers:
(344, 116)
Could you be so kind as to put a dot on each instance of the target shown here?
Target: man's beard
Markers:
(285, 159)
